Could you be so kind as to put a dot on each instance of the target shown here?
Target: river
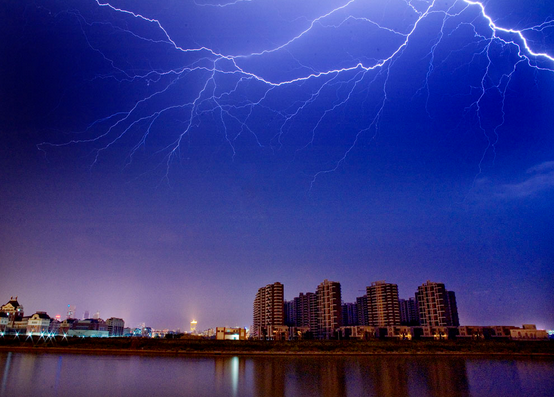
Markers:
(28, 374)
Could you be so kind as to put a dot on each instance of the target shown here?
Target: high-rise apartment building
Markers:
(290, 314)
(268, 309)
(349, 314)
(436, 305)
(361, 304)
(453, 308)
(329, 308)
(307, 311)
(382, 304)
(408, 312)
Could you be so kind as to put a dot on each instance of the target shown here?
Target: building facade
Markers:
(349, 314)
(84, 328)
(115, 326)
(307, 312)
(38, 323)
(408, 312)
(14, 311)
(382, 304)
(268, 309)
(223, 333)
(361, 305)
(452, 306)
(329, 308)
(528, 332)
(436, 306)
(290, 313)
(4, 321)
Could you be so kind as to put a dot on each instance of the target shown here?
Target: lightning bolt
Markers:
(233, 89)
(221, 5)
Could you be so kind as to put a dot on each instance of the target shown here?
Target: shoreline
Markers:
(230, 353)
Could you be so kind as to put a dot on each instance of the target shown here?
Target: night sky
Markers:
(164, 162)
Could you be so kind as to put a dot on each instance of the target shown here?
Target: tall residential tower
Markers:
(329, 308)
(268, 309)
(382, 304)
(436, 305)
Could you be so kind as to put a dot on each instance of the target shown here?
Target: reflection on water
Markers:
(68, 374)
(357, 376)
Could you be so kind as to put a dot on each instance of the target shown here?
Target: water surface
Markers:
(26, 374)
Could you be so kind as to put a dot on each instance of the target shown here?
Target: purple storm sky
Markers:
(161, 161)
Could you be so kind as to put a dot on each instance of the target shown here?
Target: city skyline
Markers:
(382, 306)
(161, 162)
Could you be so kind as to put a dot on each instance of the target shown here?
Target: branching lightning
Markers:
(232, 88)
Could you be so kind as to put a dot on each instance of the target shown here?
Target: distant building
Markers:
(54, 326)
(193, 326)
(268, 309)
(452, 308)
(408, 312)
(13, 309)
(209, 333)
(382, 304)
(70, 311)
(529, 332)
(116, 326)
(363, 316)
(146, 332)
(277, 332)
(290, 313)
(19, 324)
(38, 323)
(4, 321)
(223, 333)
(305, 306)
(85, 328)
(436, 306)
(329, 308)
(66, 325)
(363, 332)
(297, 333)
(349, 314)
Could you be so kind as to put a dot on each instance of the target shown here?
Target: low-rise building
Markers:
(115, 326)
(12, 308)
(472, 332)
(501, 331)
(19, 324)
(358, 332)
(54, 326)
(146, 332)
(4, 321)
(276, 332)
(38, 323)
(485, 332)
(224, 333)
(95, 328)
(297, 333)
(528, 332)
(401, 332)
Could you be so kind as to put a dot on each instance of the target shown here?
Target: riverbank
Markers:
(189, 347)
